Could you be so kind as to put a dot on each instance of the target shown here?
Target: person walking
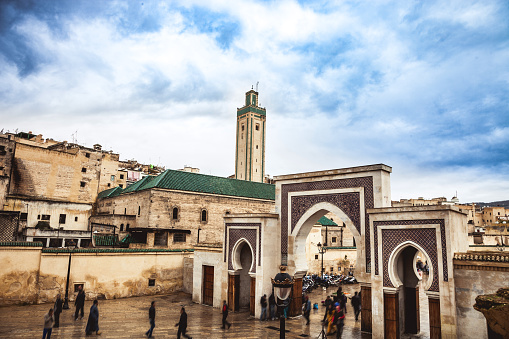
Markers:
(224, 311)
(93, 319)
(263, 303)
(356, 304)
(151, 318)
(80, 304)
(182, 324)
(272, 306)
(339, 320)
(342, 299)
(48, 324)
(57, 310)
(307, 309)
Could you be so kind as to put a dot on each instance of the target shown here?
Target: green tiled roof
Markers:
(105, 240)
(113, 250)
(20, 244)
(111, 192)
(202, 183)
(324, 221)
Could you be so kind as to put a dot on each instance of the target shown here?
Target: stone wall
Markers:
(33, 275)
(474, 275)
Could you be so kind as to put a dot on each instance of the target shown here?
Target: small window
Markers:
(121, 186)
(75, 218)
(175, 213)
(139, 210)
(151, 282)
(332, 269)
(127, 227)
(61, 219)
(333, 239)
(257, 128)
(23, 216)
(112, 178)
(109, 185)
(125, 210)
(316, 256)
(204, 215)
(227, 212)
(179, 237)
(256, 146)
(45, 217)
(121, 176)
(82, 184)
(121, 227)
(242, 127)
(78, 287)
(87, 155)
(83, 170)
(39, 217)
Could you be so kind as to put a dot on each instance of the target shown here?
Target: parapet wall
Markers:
(31, 275)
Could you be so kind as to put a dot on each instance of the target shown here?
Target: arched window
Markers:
(127, 227)
(121, 227)
(175, 213)
(203, 215)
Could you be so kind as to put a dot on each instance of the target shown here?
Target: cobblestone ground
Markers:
(128, 318)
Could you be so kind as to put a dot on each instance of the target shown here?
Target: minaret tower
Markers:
(250, 153)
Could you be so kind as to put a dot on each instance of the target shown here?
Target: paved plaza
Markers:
(128, 318)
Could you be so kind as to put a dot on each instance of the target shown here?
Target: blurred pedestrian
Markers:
(224, 311)
(356, 304)
(48, 324)
(57, 310)
(182, 324)
(79, 303)
(307, 309)
(339, 320)
(272, 306)
(151, 318)
(263, 303)
(93, 319)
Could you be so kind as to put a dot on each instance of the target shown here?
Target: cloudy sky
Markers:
(422, 86)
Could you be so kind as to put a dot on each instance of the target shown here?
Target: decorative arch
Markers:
(237, 248)
(393, 260)
(304, 225)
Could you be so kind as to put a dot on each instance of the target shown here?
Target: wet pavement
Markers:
(128, 318)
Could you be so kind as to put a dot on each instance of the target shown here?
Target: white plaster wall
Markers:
(210, 257)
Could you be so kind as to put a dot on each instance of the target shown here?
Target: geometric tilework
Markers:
(9, 226)
(424, 237)
(443, 240)
(250, 235)
(365, 182)
(347, 202)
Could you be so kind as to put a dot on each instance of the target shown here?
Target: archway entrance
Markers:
(406, 306)
(241, 282)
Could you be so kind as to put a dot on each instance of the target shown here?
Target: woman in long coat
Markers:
(93, 319)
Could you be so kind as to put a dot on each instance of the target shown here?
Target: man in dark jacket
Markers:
(58, 310)
(356, 304)
(80, 304)
(93, 319)
(272, 306)
(182, 324)
(263, 303)
(224, 311)
(151, 318)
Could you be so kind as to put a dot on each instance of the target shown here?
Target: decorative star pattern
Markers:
(424, 237)
(249, 234)
(365, 182)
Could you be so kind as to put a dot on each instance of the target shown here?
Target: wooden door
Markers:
(435, 328)
(411, 310)
(296, 301)
(366, 309)
(208, 285)
(233, 292)
(252, 301)
(391, 316)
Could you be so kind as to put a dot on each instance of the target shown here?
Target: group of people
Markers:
(52, 318)
(270, 312)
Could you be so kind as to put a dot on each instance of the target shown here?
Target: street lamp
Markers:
(66, 300)
(322, 249)
(282, 285)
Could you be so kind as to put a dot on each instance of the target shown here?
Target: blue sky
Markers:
(422, 86)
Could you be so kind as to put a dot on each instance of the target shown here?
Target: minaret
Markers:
(250, 153)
